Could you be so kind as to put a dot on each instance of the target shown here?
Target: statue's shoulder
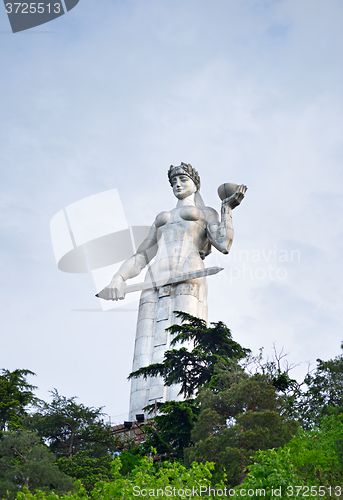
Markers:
(210, 213)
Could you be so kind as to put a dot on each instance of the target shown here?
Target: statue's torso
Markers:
(181, 235)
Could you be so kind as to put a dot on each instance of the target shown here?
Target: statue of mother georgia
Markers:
(178, 241)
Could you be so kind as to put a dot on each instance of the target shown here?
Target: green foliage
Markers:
(146, 479)
(89, 470)
(170, 432)
(194, 369)
(77, 436)
(26, 462)
(234, 423)
(240, 422)
(70, 428)
(324, 394)
(282, 381)
(272, 471)
(15, 395)
(130, 458)
(309, 464)
(240, 413)
(316, 453)
(276, 371)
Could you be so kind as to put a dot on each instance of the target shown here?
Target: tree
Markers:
(234, 423)
(214, 352)
(194, 369)
(277, 371)
(324, 394)
(239, 413)
(309, 463)
(130, 458)
(88, 469)
(170, 432)
(26, 462)
(78, 437)
(69, 427)
(272, 474)
(316, 453)
(15, 396)
(171, 480)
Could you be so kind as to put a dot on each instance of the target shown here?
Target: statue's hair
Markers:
(185, 169)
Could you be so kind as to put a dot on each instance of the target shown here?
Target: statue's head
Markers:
(184, 180)
(184, 169)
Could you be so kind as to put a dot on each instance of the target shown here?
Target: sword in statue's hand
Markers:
(155, 285)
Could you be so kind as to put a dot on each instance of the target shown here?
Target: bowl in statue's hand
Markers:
(226, 190)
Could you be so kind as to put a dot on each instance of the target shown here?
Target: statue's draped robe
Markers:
(181, 237)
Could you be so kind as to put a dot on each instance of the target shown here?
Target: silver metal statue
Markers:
(174, 251)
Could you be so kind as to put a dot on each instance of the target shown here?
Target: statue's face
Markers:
(183, 186)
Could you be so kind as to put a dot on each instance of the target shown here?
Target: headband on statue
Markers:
(184, 169)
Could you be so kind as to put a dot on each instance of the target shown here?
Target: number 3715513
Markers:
(32, 8)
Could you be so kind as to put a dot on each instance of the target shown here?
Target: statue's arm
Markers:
(220, 233)
(131, 267)
(145, 253)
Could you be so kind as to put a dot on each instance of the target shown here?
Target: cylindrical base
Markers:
(156, 313)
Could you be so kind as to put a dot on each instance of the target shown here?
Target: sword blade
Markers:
(173, 280)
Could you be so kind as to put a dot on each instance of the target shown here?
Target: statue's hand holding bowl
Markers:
(231, 194)
(114, 291)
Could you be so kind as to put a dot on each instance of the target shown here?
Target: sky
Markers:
(109, 96)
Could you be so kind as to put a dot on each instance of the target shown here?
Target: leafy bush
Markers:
(146, 480)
